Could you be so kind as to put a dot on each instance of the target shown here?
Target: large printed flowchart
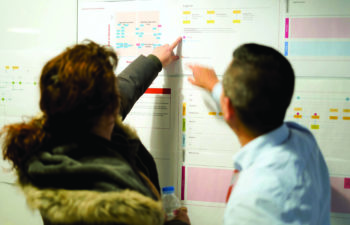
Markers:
(315, 41)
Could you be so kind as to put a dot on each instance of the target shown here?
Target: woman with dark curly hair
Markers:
(77, 162)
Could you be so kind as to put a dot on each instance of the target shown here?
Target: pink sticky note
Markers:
(183, 183)
(340, 201)
(286, 28)
(347, 183)
(208, 184)
(320, 27)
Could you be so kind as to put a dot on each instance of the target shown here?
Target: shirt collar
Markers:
(246, 156)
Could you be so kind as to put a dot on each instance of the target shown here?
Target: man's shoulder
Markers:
(292, 126)
(300, 135)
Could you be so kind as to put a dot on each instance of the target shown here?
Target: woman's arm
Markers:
(139, 75)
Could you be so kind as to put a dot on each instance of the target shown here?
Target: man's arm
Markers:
(206, 78)
(203, 77)
(254, 208)
(139, 75)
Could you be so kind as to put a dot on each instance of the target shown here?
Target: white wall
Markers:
(31, 32)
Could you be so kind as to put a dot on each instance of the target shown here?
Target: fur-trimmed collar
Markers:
(59, 206)
(129, 131)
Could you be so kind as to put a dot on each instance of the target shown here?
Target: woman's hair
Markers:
(77, 87)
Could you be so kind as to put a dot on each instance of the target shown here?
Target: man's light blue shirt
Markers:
(283, 179)
(216, 93)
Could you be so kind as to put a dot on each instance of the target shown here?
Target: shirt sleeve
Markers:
(252, 209)
(216, 93)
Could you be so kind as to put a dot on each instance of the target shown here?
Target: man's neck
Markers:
(244, 139)
(244, 135)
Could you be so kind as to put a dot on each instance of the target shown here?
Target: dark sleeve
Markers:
(134, 80)
(145, 162)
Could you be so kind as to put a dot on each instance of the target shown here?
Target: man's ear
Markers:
(227, 108)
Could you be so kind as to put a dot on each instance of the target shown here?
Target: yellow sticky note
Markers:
(315, 126)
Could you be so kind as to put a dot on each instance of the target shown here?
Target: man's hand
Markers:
(166, 54)
(203, 77)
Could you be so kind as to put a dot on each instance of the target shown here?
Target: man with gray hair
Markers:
(280, 174)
